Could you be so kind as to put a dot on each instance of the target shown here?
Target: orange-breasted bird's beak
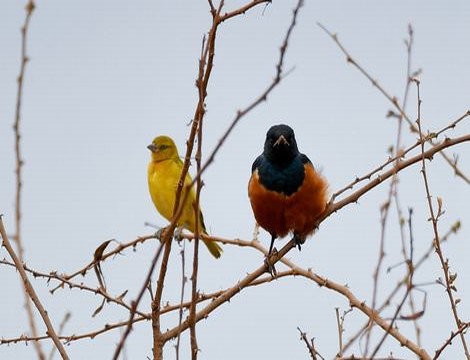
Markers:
(152, 148)
(281, 140)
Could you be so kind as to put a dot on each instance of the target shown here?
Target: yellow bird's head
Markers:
(163, 148)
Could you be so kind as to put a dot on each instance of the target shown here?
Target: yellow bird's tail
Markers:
(213, 248)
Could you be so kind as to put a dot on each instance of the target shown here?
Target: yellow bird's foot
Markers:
(159, 233)
(178, 234)
(269, 265)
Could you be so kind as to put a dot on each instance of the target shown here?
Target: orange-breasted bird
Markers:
(286, 193)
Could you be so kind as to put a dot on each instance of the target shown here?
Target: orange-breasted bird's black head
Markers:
(281, 166)
(285, 191)
(280, 146)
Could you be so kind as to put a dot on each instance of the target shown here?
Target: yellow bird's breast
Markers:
(163, 179)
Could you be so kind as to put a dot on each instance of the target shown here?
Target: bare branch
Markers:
(31, 293)
(29, 8)
(449, 278)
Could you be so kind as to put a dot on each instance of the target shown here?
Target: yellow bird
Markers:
(164, 171)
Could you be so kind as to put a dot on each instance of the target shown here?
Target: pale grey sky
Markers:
(106, 77)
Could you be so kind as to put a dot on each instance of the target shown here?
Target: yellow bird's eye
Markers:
(162, 147)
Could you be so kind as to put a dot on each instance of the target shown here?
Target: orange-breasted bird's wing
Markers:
(267, 205)
(308, 202)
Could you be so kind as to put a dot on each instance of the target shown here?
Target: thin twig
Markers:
(29, 8)
(156, 303)
(64, 322)
(310, 346)
(409, 288)
(449, 279)
(136, 302)
(106, 255)
(340, 333)
(192, 309)
(242, 10)
(463, 327)
(340, 325)
(384, 211)
(183, 286)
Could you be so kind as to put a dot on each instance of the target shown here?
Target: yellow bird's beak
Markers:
(152, 148)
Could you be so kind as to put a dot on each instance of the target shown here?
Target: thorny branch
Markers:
(29, 8)
(192, 309)
(31, 293)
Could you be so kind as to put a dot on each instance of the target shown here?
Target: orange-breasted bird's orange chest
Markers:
(297, 211)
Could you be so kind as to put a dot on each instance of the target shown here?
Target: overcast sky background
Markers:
(106, 77)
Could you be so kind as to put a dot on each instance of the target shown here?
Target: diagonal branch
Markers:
(352, 198)
(31, 293)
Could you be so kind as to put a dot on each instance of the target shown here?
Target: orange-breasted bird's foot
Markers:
(271, 246)
(298, 241)
(269, 265)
